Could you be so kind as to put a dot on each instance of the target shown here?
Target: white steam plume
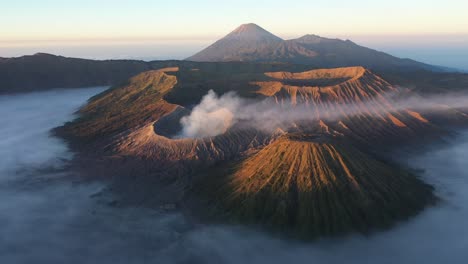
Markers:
(216, 114)
(213, 116)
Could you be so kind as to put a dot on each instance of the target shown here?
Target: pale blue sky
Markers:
(62, 19)
(177, 28)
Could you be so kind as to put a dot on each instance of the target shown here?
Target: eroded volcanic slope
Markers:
(317, 176)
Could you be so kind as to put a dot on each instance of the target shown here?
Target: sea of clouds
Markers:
(47, 216)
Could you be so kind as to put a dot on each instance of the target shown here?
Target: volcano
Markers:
(250, 42)
(323, 173)
(312, 186)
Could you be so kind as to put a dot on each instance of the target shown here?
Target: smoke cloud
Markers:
(215, 114)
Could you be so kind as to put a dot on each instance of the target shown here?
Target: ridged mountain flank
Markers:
(309, 186)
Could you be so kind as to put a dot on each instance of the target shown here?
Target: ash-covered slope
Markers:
(341, 102)
(352, 102)
(308, 185)
(124, 107)
(249, 42)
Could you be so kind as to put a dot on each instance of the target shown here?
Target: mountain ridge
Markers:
(45, 71)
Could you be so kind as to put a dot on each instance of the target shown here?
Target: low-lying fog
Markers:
(48, 216)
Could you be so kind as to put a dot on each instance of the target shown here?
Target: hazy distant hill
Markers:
(249, 42)
(45, 71)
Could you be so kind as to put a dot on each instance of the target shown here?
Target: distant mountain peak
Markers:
(244, 41)
(252, 31)
(43, 54)
(249, 28)
(315, 39)
(311, 36)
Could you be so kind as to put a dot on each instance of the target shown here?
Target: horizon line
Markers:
(211, 37)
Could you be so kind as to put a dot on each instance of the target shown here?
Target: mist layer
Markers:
(47, 216)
